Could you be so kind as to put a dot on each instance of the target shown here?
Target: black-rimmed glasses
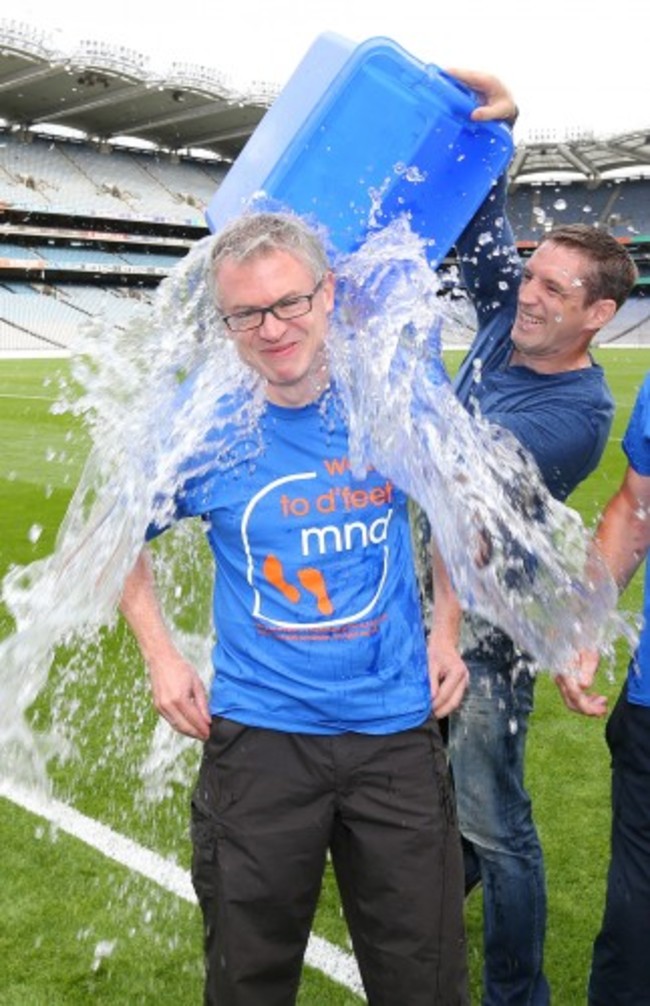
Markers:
(284, 310)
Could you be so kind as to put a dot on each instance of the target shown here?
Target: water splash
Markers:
(144, 421)
(516, 556)
(147, 395)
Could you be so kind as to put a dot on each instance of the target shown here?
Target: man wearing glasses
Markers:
(321, 728)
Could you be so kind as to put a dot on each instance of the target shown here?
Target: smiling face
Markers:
(554, 323)
(288, 354)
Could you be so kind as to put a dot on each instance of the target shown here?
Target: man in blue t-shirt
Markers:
(529, 370)
(321, 727)
(620, 974)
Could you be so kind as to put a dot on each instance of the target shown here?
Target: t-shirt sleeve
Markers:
(194, 496)
(636, 442)
(166, 513)
(563, 445)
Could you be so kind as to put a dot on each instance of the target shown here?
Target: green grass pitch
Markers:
(76, 928)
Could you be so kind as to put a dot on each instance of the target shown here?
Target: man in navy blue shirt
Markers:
(529, 370)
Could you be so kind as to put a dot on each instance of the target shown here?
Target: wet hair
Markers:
(258, 234)
(612, 272)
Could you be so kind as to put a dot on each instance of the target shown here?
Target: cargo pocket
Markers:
(214, 793)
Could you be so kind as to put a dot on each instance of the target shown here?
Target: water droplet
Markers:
(104, 949)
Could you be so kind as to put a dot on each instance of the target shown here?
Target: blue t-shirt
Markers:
(316, 607)
(636, 444)
(563, 420)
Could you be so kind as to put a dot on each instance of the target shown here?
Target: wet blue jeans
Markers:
(487, 740)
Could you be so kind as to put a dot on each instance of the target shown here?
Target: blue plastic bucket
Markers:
(362, 134)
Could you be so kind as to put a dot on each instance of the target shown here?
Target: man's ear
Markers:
(329, 285)
(602, 311)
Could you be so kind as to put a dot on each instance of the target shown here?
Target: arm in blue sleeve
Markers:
(636, 442)
(488, 258)
(565, 444)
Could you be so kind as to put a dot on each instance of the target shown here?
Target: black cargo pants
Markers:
(267, 808)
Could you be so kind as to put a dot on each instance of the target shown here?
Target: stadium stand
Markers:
(620, 205)
(53, 176)
(104, 181)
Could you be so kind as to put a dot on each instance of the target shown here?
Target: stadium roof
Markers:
(106, 91)
(583, 157)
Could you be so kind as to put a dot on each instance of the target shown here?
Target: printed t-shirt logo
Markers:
(324, 529)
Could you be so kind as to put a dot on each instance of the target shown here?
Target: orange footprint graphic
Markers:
(312, 580)
(273, 572)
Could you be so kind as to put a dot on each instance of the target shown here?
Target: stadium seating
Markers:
(622, 207)
(630, 327)
(56, 176)
(100, 230)
(37, 319)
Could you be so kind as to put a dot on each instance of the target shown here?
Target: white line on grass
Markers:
(29, 398)
(338, 965)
